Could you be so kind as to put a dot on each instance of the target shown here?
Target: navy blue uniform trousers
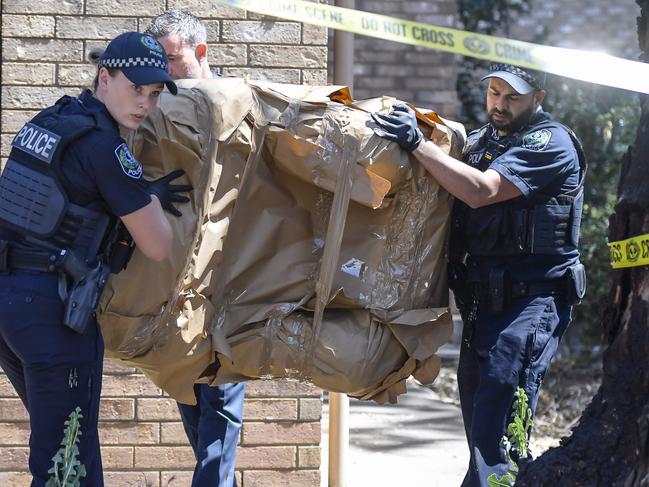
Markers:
(502, 351)
(213, 426)
(53, 369)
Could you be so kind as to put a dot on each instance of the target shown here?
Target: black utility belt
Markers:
(13, 257)
(499, 289)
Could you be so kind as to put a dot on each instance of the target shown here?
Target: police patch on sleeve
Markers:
(130, 165)
(537, 140)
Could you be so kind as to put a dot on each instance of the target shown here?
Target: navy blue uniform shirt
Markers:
(542, 161)
(100, 166)
(99, 171)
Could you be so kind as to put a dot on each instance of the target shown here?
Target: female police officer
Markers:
(68, 182)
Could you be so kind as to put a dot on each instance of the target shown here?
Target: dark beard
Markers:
(516, 124)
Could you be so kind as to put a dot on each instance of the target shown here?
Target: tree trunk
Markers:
(610, 446)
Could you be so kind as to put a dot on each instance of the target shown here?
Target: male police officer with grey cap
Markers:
(514, 266)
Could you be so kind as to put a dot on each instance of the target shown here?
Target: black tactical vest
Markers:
(33, 201)
(543, 224)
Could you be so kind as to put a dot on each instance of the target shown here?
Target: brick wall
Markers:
(604, 25)
(45, 44)
(427, 77)
(423, 76)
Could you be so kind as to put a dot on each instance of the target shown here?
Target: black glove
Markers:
(399, 126)
(168, 193)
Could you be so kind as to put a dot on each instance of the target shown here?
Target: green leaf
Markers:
(506, 480)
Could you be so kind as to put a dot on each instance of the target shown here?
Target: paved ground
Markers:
(416, 443)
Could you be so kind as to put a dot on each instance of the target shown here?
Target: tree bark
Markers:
(610, 445)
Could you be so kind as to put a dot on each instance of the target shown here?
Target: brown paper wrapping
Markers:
(311, 249)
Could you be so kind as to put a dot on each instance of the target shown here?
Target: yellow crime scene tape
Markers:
(631, 252)
(588, 66)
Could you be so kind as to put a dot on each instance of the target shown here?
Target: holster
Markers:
(576, 277)
(457, 281)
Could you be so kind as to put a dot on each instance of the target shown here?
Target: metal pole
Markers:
(344, 52)
(339, 403)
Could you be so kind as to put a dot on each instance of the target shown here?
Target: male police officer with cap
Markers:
(213, 424)
(514, 261)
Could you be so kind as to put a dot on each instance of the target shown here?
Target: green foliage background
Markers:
(605, 119)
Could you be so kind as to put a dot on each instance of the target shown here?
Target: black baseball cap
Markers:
(524, 81)
(140, 57)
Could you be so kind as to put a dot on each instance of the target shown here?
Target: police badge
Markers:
(537, 140)
(130, 165)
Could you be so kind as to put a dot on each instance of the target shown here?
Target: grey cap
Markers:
(524, 81)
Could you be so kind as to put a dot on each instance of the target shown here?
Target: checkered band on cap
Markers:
(133, 62)
(516, 71)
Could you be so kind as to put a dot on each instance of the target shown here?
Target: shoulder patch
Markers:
(537, 140)
(129, 164)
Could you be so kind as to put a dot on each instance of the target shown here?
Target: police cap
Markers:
(524, 81)
(140, 57)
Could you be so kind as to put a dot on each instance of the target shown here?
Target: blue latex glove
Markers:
(399, 126)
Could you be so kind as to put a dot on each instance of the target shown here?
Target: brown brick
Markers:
(314, 34)
(160, 409)
(76, 74)
(93, 27)
(261, 31)
(27, 26)
(281, 433)
(117, 456)
(228, 54)
(41, 50)
(276, 388)
(14, 433)
(5, 146)
(266, 457)
(37, 97)
(291, 478)
(316, 77)
(114, 367)
(310, 409)
(172, 434)
(6, 389)
(276, 75)
(15, 479)
(12, 410)
(208, 9)
(213, 28)
(13, 456)
(129, 385)
(270, 409)
(60, 7)
(132, 479)
(268, 55)
(308, 456)
(113, 409)
(27, 74)
(125, 7)
(133, 433)
(164, 457)
(178, 478)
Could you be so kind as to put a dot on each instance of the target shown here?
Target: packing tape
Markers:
(632, 252)
(594, 67)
